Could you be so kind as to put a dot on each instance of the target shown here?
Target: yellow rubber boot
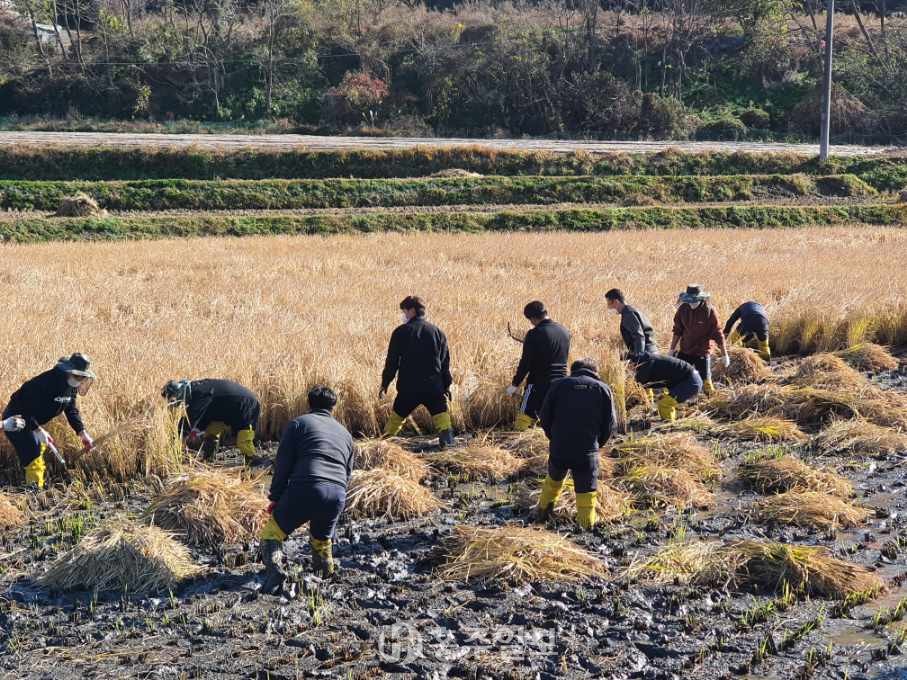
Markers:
(763, 349)
(708, 387)
(271, 531)
(586, 504)
(322, 557)
(667, 408)
(444, 428)
(523, 422)
(733, 338)
(245, 442)
(551, 489)
(34, 471)
(217, 430)
(394, 425)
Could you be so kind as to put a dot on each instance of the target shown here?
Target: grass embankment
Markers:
(34, 229)
(884, 173)
(177, 194)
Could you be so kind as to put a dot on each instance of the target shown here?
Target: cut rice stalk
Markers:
(809, 509)
(479, 463)
(679, 450)
(826, 371)
(389, 455)
(869, 357)
(787, 473)
(530, 443)
(11, 515)
(516, 555)
(661, 487)
(211, 508)
(384, 493)
(766, 429)
(860, 437)
(126, 557)
(746, 367)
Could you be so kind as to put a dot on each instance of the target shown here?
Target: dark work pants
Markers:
(533, 398)
(318, 503)
(583, 467)
(703, 365)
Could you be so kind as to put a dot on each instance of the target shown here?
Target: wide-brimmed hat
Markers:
(694, 293)
(77, 364)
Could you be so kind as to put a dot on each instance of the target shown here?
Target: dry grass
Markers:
(870, 357)
(11, 515)
(383, 453)
(697, 423)
(479, 463)
(746, 367)
(126, 557)
(234, 318)
(516, 555)
(613, 503)
(860, 437)
(778, 475)
(79, 205)
(809, 509)
(211, 509)
(766, 429)
(680, 450)
(827, 371)
(662, 487)
(531, 443)
(385, 494)
(758, 565)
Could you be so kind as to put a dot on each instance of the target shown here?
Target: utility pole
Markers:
(826, 101)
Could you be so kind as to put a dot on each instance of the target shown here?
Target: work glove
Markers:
(14, 424)
(195, 436)
(511, 390)
(44, 437)
(87, 441)
(726, 360)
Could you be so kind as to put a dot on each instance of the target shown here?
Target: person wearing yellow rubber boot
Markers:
(677, 381)
(40, 400)
(752, 331)
(578, 418)
(311, 474)
(419, 359)
(544, 360)
(695, 328)
(216, 410)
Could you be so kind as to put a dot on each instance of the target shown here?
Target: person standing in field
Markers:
(215, 410)
(311, 475)
(752, 331)
(40, 400)
(677, 380)
(578, 418)
(544, 360)
(419, 359)
(635, 329)
(695, 328)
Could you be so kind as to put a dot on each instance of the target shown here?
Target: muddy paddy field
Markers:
(390, 613)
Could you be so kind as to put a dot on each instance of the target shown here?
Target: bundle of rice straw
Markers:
(787, 473)
(530, 443)
(385, 494)
(662, 487)
(11, 515)
(389, 455)
(123, 556)
(479, 462)
(860, 437)
(516, 555)
(869, 357)
(211, 508)
(613, 504)
(766, 429)
(678, 450)
(809, 509)
(826, 371)
(746, 367)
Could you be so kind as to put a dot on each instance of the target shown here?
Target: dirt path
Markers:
(320, 143)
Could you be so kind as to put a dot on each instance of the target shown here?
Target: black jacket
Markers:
(578, 414)
(419, 358)
(752, 317)
(636, 331)
(43, 398)
(545, 351)
(314, 448)
(660, 370)
(223, 401)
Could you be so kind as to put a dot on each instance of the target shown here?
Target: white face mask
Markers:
(694, 305)
(73, 381)
(403, 317)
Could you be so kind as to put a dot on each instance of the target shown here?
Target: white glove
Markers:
(726, 360)
(511, 390)
(87, 441)
(14, 424)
